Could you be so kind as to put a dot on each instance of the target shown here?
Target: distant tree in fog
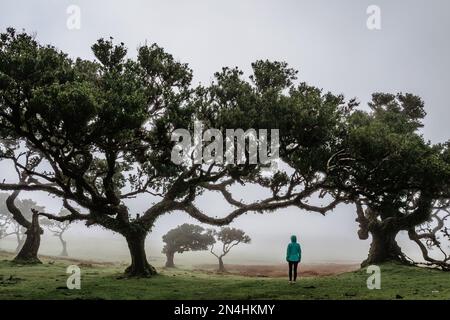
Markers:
(229, 237)
(5, 220)
(58, 228)
(186, 237)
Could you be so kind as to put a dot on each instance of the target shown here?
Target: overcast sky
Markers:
(328, 41)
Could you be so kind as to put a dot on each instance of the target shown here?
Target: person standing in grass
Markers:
(293, 257)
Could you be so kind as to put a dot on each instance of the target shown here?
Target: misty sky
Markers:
(329, 43)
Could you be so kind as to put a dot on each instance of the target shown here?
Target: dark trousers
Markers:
(293, 265)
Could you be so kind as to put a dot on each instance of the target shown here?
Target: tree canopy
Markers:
(99, 133)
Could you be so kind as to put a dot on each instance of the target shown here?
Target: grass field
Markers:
(104, 281)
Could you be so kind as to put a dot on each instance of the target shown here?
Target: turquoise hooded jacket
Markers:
(294, 251)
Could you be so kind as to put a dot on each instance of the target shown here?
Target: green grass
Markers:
(48, 281)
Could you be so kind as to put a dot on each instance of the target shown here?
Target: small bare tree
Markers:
(229, 237)
(58, 228)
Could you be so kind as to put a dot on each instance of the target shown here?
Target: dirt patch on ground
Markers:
(281, 270)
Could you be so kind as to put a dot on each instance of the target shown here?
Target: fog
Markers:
(329, 43)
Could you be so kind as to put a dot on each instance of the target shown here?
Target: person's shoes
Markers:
(290, 282)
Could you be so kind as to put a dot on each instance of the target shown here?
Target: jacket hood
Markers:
(293, 238)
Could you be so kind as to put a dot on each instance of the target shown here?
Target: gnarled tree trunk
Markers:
(139, 265)
(29, 252)
(221, 265)
(169, 261)
(384, 248)
(30, 247)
